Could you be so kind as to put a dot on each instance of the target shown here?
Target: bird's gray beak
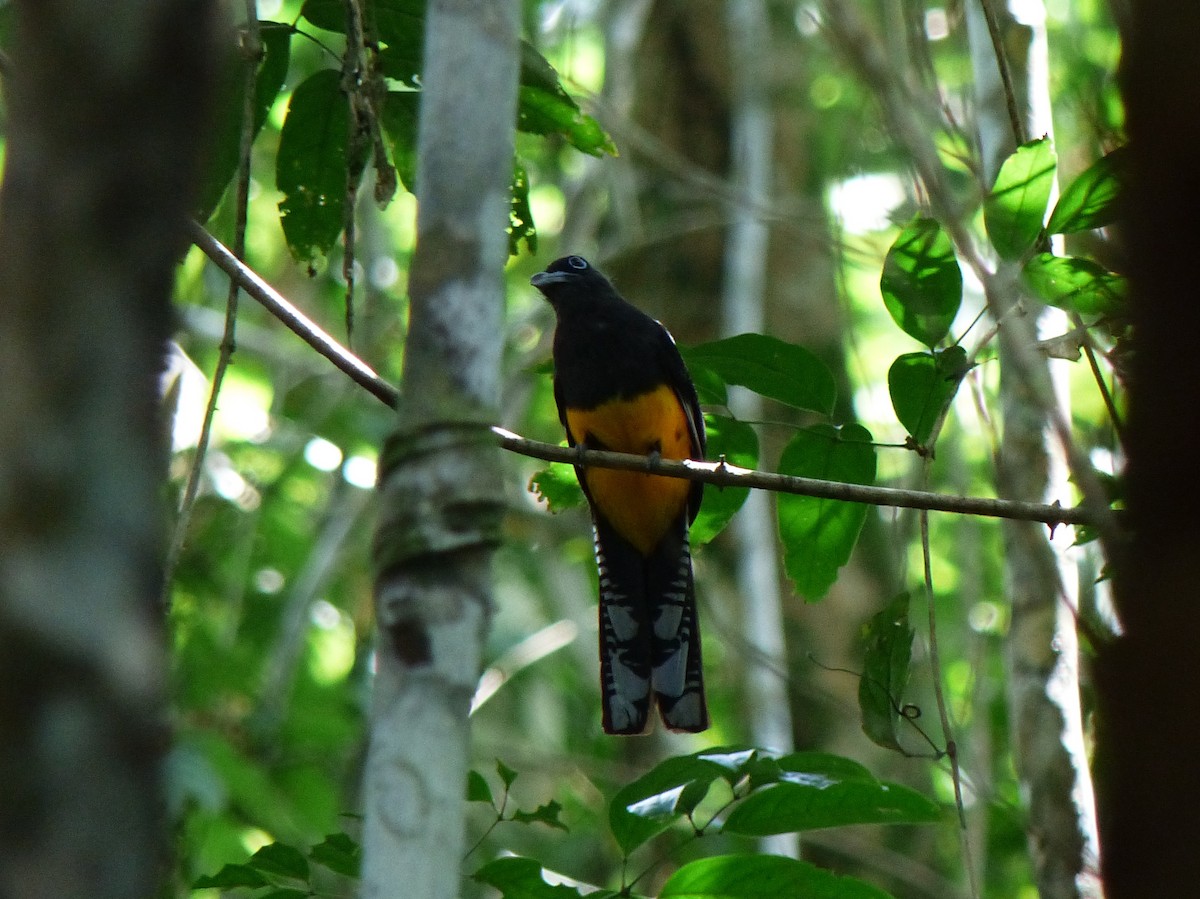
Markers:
(545, 279)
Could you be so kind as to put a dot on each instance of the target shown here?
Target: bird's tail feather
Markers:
(649, 634)
(677, 675)
(625, 634)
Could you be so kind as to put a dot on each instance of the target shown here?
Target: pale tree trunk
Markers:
(743, 303)
(104, 102)
(1040, 570)
(440, 479)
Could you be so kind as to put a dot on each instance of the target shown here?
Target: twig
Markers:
(720, 474)
(1010, 94)
(1090, 352)
(297, 321)
(251, 56)
(943, 714)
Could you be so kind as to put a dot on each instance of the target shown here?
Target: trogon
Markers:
(620, 385)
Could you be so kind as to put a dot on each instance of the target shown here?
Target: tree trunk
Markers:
(1043, 653)
(1149, 720)
(440, 482)
(104, 103)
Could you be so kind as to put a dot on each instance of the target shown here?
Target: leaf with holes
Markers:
(311, 167)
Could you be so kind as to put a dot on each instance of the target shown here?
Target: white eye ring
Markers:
(577, 262)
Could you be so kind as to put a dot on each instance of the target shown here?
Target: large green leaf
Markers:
(339, 853)
(1016, 207)
(888, 637)
(922, 282)
(921, 385)
(762, 877)
(770, 367)
(543, 106)
(737, 442)
(522, 878)
(399, 118)
(231, 877)
(672, 789)
(817, 790)
(311, 166)
(280, 859)
(1075, 284)
(819, 534)
(1090, 201)
(275, 39)
(390, 21)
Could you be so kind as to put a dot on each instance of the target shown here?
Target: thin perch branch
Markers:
(719, 474)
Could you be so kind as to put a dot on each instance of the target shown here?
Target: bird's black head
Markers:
(572, 277)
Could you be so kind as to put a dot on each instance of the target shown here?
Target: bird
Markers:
(620, 384)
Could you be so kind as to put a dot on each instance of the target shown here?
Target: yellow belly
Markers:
(641, 507)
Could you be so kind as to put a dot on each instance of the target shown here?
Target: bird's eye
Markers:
(577, 262)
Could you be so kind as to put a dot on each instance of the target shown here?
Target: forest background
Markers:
(914, 206)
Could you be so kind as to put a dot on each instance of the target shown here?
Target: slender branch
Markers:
(719, 474)
(943, 712)
(1006, 79)
(293, 318)
(1089, 352)
(251, 57)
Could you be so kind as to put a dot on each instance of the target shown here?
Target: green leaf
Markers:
(311, 166)
(399, 118)
(1016, 207)
(922, 385)
(737, 442)
(398, 24)
(548, 814)
(762, 877)
(478, 789)
(672, 789)
(520, 216)
(507, 774)
(339, 853)
(819, 790)
(770, 367)
(557, 486)
(1090, 201)
(231, 876)
(819, 534)
(522, 878)
(543, 107)
(922, 282)
(710, 386)
(1075, 284)
(888, 637)
(275, 40)
(281, 859)
(285, 893)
